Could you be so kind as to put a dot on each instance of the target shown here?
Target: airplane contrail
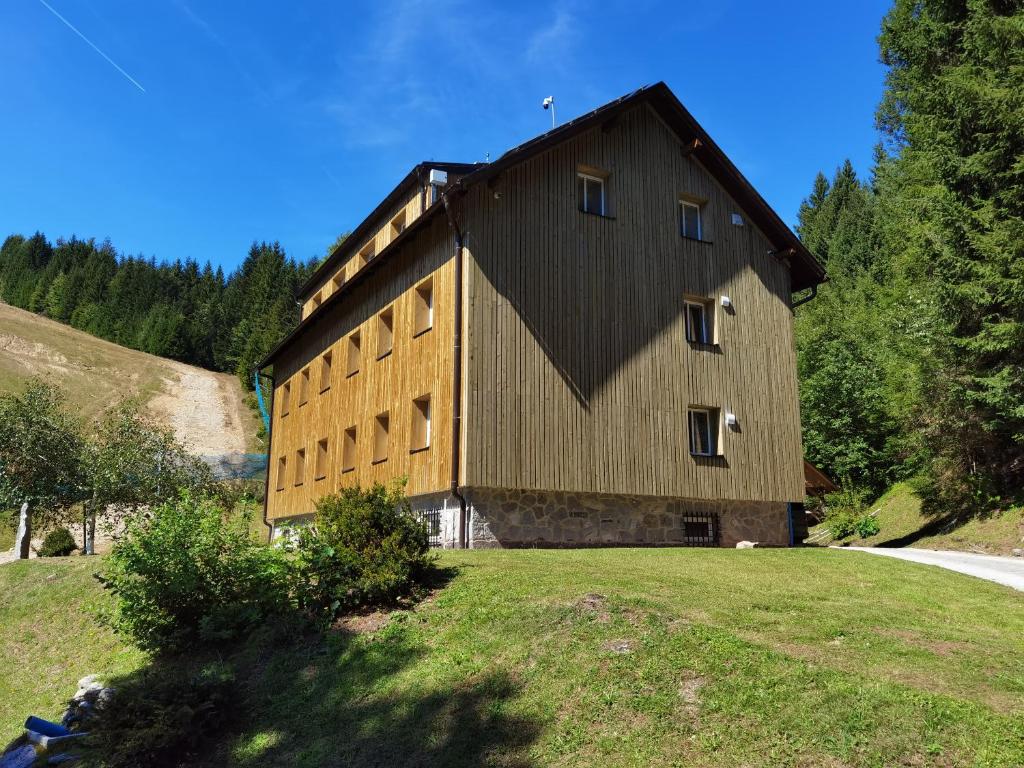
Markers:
(92, 45)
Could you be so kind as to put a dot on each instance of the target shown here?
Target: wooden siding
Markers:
(416, 366)
(578, 372)
(412, 207)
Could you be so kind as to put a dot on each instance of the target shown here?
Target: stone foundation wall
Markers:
(511, 518)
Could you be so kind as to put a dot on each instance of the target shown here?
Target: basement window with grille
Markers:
(700, 529)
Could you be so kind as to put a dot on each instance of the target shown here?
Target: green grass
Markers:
(901, 522)
(49, 638)
(754, 658)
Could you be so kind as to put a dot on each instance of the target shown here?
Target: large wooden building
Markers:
(586, 342)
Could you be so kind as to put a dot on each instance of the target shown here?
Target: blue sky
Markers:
(200, 126)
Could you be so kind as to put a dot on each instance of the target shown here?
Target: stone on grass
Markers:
(746, 544)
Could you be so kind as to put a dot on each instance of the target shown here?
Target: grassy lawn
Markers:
(902, 524)
(602, 657)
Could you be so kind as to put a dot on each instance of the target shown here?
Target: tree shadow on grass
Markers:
(386, 696)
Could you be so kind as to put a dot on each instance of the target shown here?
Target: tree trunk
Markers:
(23, 540)
(90, 528)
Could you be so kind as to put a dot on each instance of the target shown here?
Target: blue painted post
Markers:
(259, 401)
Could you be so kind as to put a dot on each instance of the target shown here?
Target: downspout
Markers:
(270, 443)
(805, 299)
(457, 375)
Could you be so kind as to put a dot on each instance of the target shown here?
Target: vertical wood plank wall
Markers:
(416, 367)
(412, 205)
(578, 372)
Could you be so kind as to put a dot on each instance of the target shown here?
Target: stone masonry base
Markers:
(513, 518)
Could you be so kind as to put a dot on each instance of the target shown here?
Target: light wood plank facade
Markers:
(577, 377)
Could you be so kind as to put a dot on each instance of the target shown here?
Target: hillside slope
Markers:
(206, 409)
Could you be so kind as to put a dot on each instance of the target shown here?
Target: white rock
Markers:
(746, 545)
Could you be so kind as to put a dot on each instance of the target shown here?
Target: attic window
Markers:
(325, 371)
(348, 450)
(368, 252)
(699, 325)
(689, 219)
(398, 225)
(321, 459)
(420, 423)
(703, 431)
(591, 193)
(385, 332)
(424, 299)
(338, 280)
(381, 427)
(317, 301)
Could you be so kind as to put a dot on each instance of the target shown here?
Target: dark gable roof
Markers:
(804, 268)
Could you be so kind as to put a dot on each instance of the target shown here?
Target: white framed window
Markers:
(698, 322)
(703, 429)
(689, 220)
(591, 193)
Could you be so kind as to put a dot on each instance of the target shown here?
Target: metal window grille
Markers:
(700, 529)
(432, 519)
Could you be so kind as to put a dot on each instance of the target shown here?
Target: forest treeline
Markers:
(911, 358)
(177, 309)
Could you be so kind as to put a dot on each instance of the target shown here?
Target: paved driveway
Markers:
(1002, 570)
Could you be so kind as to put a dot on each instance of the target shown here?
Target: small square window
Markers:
(317, 300)
(703, 429)
(282, 469)
(689, 220)
(381, 427)
(286, 396)
(304, 387)
(385, 332)
(354, 355)
(699, 322)
(590, 191)
(325, 371)
(321, 459)
(398, 225)
(338, 281)
(424, 300)
(420, 432)
(366, 254)
(348, 450)
(300, 466)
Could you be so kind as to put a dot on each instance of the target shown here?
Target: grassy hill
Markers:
(902, 523)
(205, 408)
(611, 657)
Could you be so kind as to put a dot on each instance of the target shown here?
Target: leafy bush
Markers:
(192, 572)
(58, 543)
(364, 547)
(161, 718)
(841, 524)
(868, 526)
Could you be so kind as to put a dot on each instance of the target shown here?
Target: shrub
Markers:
(868, 526)
(58, 543)
(841, 524)
(162, 717)
(192, 572)
(365, 547)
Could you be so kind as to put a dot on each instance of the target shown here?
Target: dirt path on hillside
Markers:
(204, 408)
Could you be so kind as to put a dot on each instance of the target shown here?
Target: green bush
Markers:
(365, 547)
(193, 572)
(841, 524)
(163, 717)
(58, 543)
(868, 526)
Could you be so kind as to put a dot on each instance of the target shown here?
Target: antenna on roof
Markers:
(549, 103)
